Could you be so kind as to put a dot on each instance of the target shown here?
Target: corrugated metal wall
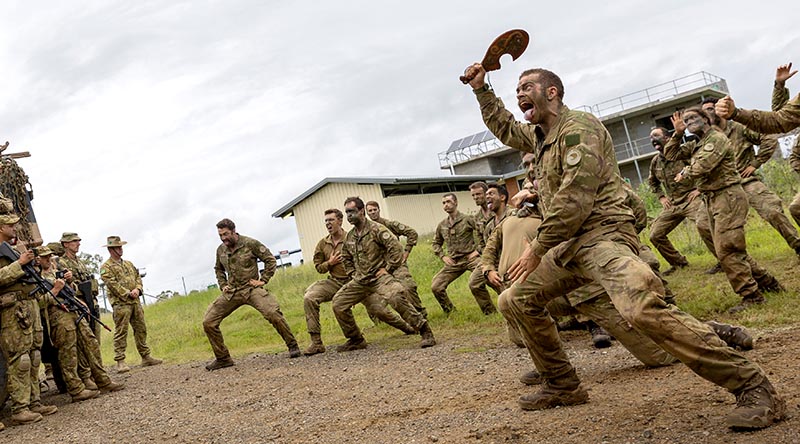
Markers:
(423, 211)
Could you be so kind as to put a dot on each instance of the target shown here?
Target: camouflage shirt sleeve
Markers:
(675, 150)
(10, 273)
(777, 122)
(270, 264)
(400, 229)
(706, 159)
(491, 252)
(394, 251)
(438, 241)
(502, 123)
(794, 156)
(780, 95)
(219, 270)
(347, 255)
(320, 261)
(652, 179)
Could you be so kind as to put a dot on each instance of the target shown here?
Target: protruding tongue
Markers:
(529, 114)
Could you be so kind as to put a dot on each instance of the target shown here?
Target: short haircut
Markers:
(699, 111)
(662, 129)
(453, 195)
(479, 184)
(547, 79)
(359, 203)
(336, 212)
(226, 223)
(372, 203)
(713, 100)
(501, 190)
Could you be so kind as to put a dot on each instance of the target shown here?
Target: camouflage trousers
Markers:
(669, 219)
(794, 208)
(76, 343)
(257, 297)
(403, 274)
(477, 284)
(727, 212)
(386, 288)
(770, 207)
(637, 295)
(36, 352)
(133, 315)
(324, 291)
(16, 343)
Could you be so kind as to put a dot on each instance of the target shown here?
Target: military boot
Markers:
(217, 364)
(42, 409)
(148, 361)
(563, 391)
(600, 337)
(25, 417)
(358, 343)
(112, 387)
(571, 323)
(294, 351)
(770, 283)
(122, 367)
(674, 268)
(316, 345)
(531, 378)
(717, 268)
(89, 384)
(748, 301)
(427, 336)
(84, 395)
(734, 336)
(756, 408)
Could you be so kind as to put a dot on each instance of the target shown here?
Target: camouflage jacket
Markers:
(779, 98)
(79, 271)
(398, 230)
(121, 277)
(580, 187)
(366, 253)
(236, 268)
(458, 234)
(11, 275)
(480, 227)
(713, 162)
(324, 250)
(492, 223)
(742, 141)
(507, 242)
(662, 179)
(781, 121)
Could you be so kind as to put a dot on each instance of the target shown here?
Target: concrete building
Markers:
(414, 201)
(629, 119)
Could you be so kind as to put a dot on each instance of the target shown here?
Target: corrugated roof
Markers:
(284, 210)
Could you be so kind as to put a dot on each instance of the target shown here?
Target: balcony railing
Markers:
(630, 150)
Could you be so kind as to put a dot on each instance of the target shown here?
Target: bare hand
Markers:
(227, 289)
(58, 285)
(26, 257)
(336, 258)
(679, 177)
(448, 260)
(677, 122)
(524, 266)
(68, 276)
(748, 171)
(521, 196)
(494, 278)
(725, 107)
(784, 73)
(257, 283)
(665, 202)
(692, 195)
(476, 75)
(135, 293)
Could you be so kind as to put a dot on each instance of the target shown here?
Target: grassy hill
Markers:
(175, 329)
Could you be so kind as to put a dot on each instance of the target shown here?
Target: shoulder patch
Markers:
(385, 235)
(572, 139)
(708, 147)
(573, 157)
(263, 249)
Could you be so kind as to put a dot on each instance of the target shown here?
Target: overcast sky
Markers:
(152, 120)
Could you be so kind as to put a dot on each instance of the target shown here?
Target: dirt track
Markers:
(461, 391)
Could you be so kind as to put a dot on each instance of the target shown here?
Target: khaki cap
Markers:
(43, 251)
(114, 241)
(56, 248)
(8, 219)
(69, 237)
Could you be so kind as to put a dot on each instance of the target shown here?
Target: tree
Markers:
(92, 262)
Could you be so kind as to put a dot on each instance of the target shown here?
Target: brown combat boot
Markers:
(89, 384)
(562, 391)
(25, 417)
(756, 408)
(734, 336)
(122, 367)
(44, 410)
(600, 337)
(358, 343)
(112, 387)
(294, 352)
(148, 361)
(748, 301)
(715, 269)
(84, 395)
(217, 364)
(427, 336)
(316, 346)
(531, 378)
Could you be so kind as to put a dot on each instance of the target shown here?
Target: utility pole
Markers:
(184, 285)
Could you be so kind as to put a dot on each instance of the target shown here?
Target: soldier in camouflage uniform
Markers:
(402, 274)
(780, 95)
(478, 192)
(713, 170)
(679, 201)
(72, 338)
(18, 311)
(587, 235)
(766, 203)
(124, 289)
(80, 273)
(328, 259)
(459, 233)
(371, 253)
(237, 273)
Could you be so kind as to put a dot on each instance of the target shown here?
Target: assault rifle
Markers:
(66, 297)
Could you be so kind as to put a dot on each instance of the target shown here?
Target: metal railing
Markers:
(630, 150)
(449, 158)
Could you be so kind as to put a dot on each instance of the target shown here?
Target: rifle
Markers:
(66, 297)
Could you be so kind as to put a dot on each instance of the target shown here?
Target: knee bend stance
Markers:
(24, 363)
(36, 358)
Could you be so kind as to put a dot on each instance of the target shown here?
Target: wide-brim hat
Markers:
(56, 248)
(114, 241)
(69, 237)
(8, 219)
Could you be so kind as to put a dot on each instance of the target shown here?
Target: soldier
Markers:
(371, 253)
(72, 338)
(780, 95)
(328, 259)
(18, 313)
(403, 274)
(81, 276)
(587, 235)
(766, 203)
(679, 201)
(459, 233)
(713, 170)
(124, 286)
(478, 192)
(237, 273)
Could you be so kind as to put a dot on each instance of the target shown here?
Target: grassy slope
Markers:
(176, 333)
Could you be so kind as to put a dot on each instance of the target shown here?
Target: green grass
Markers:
(176, 333)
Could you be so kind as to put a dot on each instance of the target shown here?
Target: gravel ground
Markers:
(464, 390)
